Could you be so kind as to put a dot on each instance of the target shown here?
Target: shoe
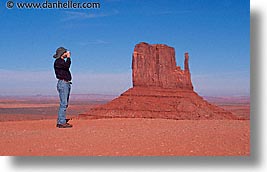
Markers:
(67, 120)
(66, 125)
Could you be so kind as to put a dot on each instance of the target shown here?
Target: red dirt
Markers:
(161, 103)
(119, 137)
(127, 137)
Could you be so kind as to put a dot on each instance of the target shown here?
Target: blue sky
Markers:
(216, 33)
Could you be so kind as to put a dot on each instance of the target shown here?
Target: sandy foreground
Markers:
(126, 137)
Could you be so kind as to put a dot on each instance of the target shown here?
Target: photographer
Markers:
(61, 67)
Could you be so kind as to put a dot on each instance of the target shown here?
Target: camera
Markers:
(68, 54)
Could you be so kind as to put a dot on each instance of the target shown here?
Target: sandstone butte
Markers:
(160, 90)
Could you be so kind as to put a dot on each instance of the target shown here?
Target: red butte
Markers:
(160, 90)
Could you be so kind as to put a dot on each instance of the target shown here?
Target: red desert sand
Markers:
(29, 131)
(126, 137)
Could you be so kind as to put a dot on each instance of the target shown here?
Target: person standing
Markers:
(62, 72)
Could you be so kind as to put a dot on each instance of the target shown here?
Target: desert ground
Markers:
(28, 128)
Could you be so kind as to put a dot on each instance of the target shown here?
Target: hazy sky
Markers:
(216, 33)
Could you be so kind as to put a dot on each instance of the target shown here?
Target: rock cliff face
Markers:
(155, 66)
(160, 90)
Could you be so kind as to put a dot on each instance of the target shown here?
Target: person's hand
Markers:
(68, 54)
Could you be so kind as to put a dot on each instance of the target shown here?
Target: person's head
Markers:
(64, 55)
(61, 53)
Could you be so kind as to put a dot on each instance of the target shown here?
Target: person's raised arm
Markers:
(61, 64)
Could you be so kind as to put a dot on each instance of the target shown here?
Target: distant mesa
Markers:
(155, 66)
(160, 90)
